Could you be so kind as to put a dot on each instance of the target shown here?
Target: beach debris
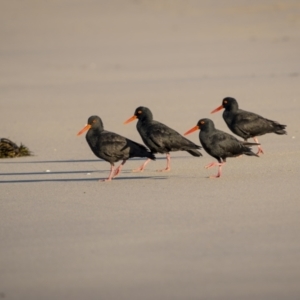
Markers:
(9, 149)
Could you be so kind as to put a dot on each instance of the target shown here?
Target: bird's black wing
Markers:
(168, 139)
(123, 148)
(112, 144)
(250, 123)
(228, 145)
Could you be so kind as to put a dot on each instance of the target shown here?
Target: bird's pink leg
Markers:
(260, 150)
(142, 167)
(211, 165)
(168, 168)
(119, 168)
(219, 171)
(219, 168)
(109, 178)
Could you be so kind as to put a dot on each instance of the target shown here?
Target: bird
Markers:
(160, 138)
(247, 124)
(219, 144)
(111, 146)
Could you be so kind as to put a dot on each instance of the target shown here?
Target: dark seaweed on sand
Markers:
(9, 149)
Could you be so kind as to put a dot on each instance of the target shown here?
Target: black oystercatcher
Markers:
(111, 146)
(160, 138)
(247, 124)
(219, 144)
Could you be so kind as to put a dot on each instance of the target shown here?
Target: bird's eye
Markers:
(225, 102)
(202, 122)
(139, 112)
(94, 121)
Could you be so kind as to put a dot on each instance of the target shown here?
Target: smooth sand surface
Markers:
(150, 235)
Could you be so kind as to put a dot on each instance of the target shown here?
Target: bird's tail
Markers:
(194, 152)
(280, 129)
(151, 156)
(250, 144)
(248, 151)
(277, 128)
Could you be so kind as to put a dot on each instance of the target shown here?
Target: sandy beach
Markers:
(150, 235)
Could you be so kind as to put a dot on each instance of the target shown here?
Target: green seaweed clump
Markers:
(9, 149)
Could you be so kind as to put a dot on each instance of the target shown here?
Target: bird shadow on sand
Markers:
(50, 161)
(16, 161)
(140, 178)
(49, 173)
(47, 176)
(94, 173)
(83, 179)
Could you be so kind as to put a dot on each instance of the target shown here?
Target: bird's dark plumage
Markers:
(112, 147)
(159, 137)
(247, 124)
(220, 144)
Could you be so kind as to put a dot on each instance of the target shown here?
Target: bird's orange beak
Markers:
(130, 119)
(85, 128)
(217, 109)
(192, 130)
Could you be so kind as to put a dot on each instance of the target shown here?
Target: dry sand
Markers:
(176, 235)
